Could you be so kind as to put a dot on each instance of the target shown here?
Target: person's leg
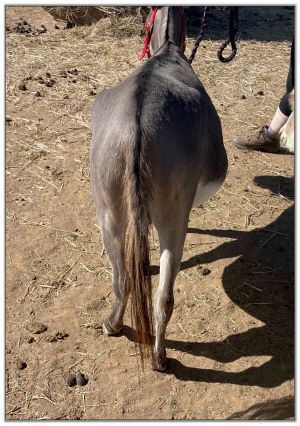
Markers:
(266, 138)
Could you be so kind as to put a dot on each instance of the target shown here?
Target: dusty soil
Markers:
(231, 338)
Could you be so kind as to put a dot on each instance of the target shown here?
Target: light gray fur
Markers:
(165, 103)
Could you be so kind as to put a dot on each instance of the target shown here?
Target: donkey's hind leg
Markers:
(172, 234)
(112, 230)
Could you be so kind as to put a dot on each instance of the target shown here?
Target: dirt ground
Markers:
(230, 342)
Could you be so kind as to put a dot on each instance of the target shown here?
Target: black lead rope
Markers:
(232, 30)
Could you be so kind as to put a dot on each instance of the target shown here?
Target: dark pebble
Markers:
(81, 379)
(48, 75)
(71, 380)
(23, 87)
(21, 365)
(205, 271)
(69, 25)
(260, 93)
(243, 97)
(60, 335)
(93, 93)
(31, 339)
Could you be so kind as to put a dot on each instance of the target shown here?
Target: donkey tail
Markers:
(137, 256)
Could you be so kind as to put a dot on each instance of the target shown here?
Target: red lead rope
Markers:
(146, 49)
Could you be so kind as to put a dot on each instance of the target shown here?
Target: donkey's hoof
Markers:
(159, 362)
(156, 366)
(109, 330)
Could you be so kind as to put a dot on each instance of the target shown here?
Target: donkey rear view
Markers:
(157, 150)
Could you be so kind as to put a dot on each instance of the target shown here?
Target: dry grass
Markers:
(89, 15)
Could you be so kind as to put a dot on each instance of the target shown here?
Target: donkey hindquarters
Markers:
(157, 149)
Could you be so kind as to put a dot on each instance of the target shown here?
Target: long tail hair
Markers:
(137, 256)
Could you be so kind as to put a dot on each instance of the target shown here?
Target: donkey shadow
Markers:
(266, 263)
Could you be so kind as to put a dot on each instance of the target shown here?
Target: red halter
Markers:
(149, 25)
(146, 49)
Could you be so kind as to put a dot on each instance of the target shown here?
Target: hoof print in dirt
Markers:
(71, 380)
(21, 365)
(37, 328)
(59, 335)
(205, 271)
(77, 379)
(81, 379)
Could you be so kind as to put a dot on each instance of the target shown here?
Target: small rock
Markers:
(71, 380)
(260, 93)
(21, 365)
(37, 328)
(43, 29)
(66, 97)
(205, 271)
(50, 83)
(74, 71)
(38, 94)
(81, 379)
(30, 339)
(69, 25)
(48, 75)
(243, 97)
(23, 87)
(93, 93)
(56, 27)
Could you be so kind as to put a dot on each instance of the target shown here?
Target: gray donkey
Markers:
(157, 150)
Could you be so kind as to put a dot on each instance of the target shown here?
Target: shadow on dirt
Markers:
(277, 409)
(260, 282)
(261, 23)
